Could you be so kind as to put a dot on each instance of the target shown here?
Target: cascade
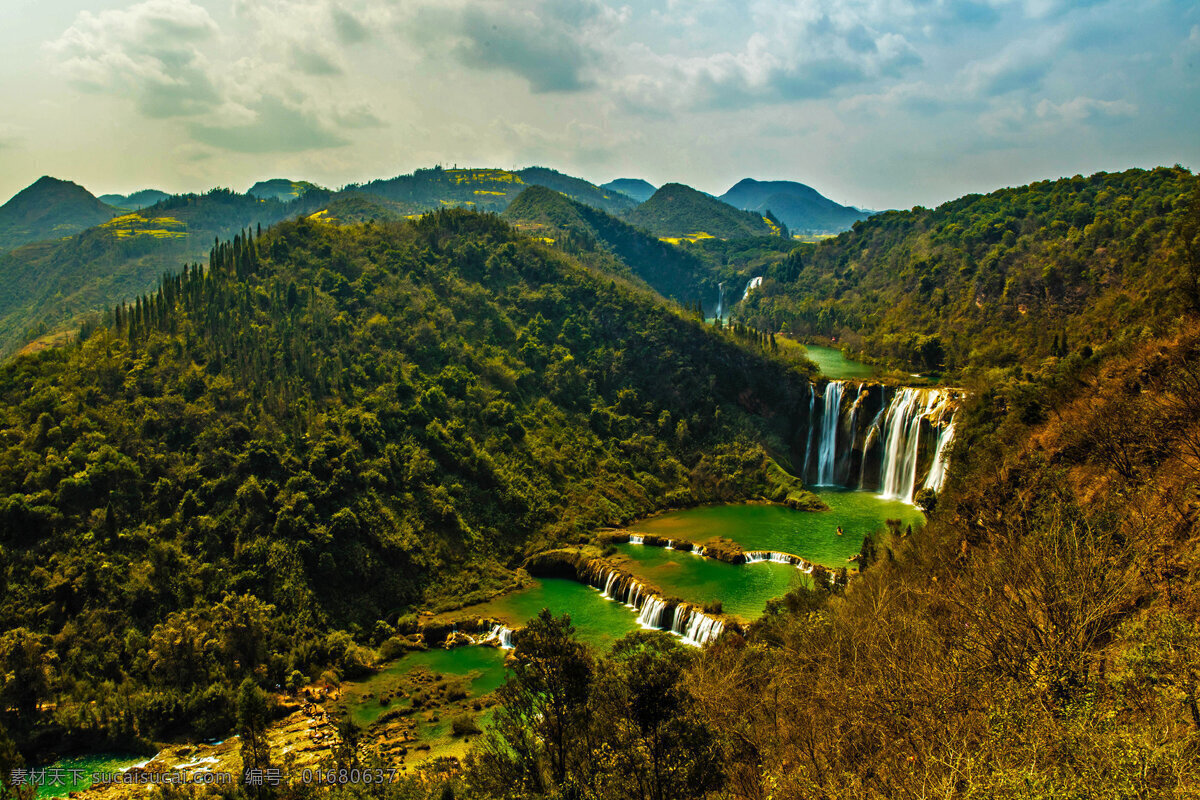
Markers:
(636, 538)
(652, 611)
(912, 431)
(937, 472)
(827, 448)
(720, 300)
(691, 624)
(500, 634)
(753, 284)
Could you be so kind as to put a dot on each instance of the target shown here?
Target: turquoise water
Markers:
(100, 762)
(811, 534)
(835, 365)
(597, 621)
(743, 589)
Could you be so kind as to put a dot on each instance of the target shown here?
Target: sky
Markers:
(875, 103)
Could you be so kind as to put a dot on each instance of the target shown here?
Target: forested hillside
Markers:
(48, 283)
(991, 280)
(673, 272)
(252, 470)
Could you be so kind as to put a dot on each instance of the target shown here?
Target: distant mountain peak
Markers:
(797, 205)
(49, 208)
(636, 188)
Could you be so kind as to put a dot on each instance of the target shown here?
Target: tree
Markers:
(253, 715)
(540, 729)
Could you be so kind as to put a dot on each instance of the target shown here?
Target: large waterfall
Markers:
(890, 440)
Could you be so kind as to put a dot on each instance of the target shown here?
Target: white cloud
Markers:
(152, 51)
(174, 61)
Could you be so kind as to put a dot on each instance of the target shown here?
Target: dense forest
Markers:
(271, 461)
(984, 281)
(258, 472)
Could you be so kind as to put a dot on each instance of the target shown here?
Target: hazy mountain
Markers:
(136, 201)
(636, 188)
(281, 189)
(676, 211)
(49, 209)
(802, 208)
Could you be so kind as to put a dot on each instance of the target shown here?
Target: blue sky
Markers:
(882, 103)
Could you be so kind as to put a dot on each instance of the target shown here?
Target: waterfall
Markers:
(812, 402)
(720, 300)
(753, 284)
(898, 479)
(827, 449)
(636, 538)
(937, 472)
(500, 634)
(652, 611)
(912, 430)
(690, 623)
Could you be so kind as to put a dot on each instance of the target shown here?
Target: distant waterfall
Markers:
(827, 452)
(720, 300)
(903, 447)
(636, 538)
(753, 284)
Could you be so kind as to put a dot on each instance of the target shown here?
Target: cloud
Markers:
(173, 60)
(554, 45)
(349, 29)
(151, 51)
(1085, 109)
(276, 127)
(312, 62)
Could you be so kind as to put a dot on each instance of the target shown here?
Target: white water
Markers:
(896, 430)
(720, 300)
(753, 284)
(651, 616)
(830, 415)
(692, 625)
(636, 538)
(812, 402)
(500, 634)
(941, 459)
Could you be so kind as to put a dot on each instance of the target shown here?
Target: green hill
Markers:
(670, 271)
(135, 201)
(485, 189)
(802, 208)
(281, 189)
(49, 208)
(638, 189)
(47, 283)
(1015, 276)
(328, 428)
(677, 211)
